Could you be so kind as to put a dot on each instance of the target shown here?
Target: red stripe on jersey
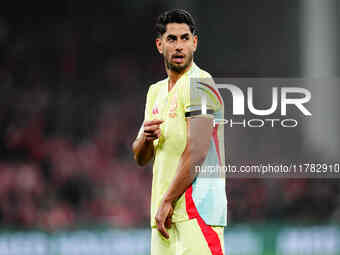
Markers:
(209, 234)
(213, 90)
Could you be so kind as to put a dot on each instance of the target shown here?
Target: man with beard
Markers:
(188, 210)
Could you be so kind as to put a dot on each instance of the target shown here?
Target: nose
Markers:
(179, 46)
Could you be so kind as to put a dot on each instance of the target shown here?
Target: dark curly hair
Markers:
(175, 16)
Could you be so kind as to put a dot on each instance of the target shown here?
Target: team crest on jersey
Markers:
(173, 107)
(155, 110)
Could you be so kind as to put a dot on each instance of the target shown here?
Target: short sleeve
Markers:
(202, 97)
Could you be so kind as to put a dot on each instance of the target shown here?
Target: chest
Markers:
(170, 108)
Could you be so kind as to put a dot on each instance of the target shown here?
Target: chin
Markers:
(179, 68)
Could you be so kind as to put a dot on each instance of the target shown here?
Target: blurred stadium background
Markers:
(73, 80)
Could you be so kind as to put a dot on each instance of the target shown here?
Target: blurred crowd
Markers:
(65, 133)
(60, 175)
(71, 105)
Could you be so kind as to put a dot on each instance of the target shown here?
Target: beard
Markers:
(178, 68)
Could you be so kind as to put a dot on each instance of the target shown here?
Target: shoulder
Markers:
(153, 88)
(201, 77)
(205, 74)
(198, 72)
(157, 85)
(205, 84)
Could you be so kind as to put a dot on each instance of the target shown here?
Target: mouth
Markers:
(178, 58)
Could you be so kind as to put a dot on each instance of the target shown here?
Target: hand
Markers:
(152, 130)
(163, 217)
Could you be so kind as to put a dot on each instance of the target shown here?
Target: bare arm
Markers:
(142, 147)
(199, 131)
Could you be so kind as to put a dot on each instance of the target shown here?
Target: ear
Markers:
(195, 38)
(159, 45)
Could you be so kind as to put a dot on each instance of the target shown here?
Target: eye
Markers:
(171, 38)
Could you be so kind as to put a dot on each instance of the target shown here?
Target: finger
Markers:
(153, 122)
(151, 134)
(158, 133)
(157, 121)
(168, 222)
(151, 128)
(150, 139)
(162, 230)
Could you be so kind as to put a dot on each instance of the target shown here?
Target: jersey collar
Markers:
(189, 72)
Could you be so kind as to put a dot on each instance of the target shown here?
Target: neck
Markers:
(174, 76)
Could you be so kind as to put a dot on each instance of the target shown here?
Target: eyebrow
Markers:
(172, 36)
(185, 35)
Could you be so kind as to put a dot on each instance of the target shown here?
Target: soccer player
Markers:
(188, 209)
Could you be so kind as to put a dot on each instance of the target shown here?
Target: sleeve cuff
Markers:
(197, 112)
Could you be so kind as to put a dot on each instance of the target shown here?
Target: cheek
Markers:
(166, 52)
(190, 47)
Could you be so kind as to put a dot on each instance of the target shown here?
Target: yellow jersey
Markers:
(206, 197)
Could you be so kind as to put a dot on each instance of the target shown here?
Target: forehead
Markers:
(177, 29)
